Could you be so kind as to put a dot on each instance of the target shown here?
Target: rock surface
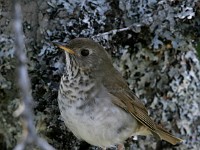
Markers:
(153, 44)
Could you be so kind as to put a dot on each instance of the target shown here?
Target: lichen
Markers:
(154, 51)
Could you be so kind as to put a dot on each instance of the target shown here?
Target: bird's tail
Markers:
(165, 135)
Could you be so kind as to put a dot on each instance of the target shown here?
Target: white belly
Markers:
(98, 121)
(102, 125)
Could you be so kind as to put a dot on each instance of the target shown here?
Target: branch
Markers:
(135, 27)
(25, 109)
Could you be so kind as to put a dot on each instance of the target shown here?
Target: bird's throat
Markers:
(71, 70)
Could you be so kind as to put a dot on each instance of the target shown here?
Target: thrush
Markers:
(95, 101)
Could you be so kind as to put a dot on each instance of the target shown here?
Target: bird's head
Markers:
(86, 54)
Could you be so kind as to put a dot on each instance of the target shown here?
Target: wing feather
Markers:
(127, 100)
(124, 98)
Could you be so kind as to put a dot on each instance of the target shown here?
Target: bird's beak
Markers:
(67, 49)
(64, 47)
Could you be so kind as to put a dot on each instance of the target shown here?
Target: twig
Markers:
(25, 110)
(134, 27)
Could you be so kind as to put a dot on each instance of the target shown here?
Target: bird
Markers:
(95, 101)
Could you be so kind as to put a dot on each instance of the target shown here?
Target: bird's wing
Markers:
(123, 97)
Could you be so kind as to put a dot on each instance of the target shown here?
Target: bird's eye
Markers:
(85, 52)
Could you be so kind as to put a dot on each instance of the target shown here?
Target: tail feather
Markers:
(165, 135)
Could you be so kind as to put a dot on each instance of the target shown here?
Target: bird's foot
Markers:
(120, 147)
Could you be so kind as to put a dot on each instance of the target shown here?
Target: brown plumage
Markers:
(100, 100)
(127, 100)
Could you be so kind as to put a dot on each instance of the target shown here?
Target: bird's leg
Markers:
(120, 147)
